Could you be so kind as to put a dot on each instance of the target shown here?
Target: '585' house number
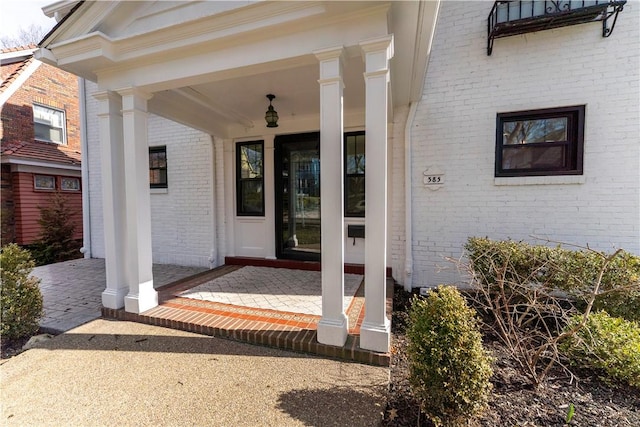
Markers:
(433, 178)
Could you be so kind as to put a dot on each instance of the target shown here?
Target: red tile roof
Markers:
(43, 151)
(11, 71)
(30, 46)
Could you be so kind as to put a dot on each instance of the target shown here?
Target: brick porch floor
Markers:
(275, 328)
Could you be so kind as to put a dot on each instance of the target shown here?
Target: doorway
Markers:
(297, 185)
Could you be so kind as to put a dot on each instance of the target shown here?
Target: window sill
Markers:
(159, 190)
(48, 141)
(540, 180)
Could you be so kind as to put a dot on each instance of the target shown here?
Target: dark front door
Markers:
(297, 183)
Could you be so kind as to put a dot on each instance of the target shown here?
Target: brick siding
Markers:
(48, 86)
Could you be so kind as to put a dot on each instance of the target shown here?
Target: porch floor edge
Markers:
(270, 328)
(253, 332)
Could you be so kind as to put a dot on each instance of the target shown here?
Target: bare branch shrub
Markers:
(528, 294)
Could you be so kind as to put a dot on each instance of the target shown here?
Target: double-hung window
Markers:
(354, 165)
(158, 167)
(250, 178)
(540, 142)
(49, 124)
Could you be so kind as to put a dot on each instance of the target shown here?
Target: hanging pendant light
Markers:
(271, 115)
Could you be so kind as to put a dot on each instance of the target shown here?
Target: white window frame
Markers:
(49, 178)
(44, 122)
(70, 179)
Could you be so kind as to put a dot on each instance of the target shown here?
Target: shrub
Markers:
(574, 272)
(450, 369)
(56, 241)
(20, 297)
(530, 294)
(611, 344)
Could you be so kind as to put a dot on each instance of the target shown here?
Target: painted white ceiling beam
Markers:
(216, 107)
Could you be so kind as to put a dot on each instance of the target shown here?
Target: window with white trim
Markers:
(70, 184)
(49, 124)
(44, 182)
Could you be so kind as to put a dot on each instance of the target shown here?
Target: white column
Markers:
(142, 296)
(269, 196)
(113, 197)
(375, 331)
(333, 327)
(220, 233)
(230, 194)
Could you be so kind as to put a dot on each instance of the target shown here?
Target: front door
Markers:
(297, 183)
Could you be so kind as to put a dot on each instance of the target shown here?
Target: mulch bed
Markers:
(514, 401)
(11, 348)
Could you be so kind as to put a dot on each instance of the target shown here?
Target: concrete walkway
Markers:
(72, 290)
(123, 373)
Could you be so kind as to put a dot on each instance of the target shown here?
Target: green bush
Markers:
(450, 369)
(611, 344)
(574, 272)
(56, 241)
(20, 297)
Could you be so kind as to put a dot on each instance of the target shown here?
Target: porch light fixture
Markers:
(271, 115)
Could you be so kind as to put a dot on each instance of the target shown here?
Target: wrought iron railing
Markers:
(508, 18)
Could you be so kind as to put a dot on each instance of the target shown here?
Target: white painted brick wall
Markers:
(396, 183)
(95, 178)
(455, 130)
(181, 218)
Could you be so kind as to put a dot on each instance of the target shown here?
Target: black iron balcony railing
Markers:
(509, 18)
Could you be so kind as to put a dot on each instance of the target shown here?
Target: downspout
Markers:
(408, 229)
(86, 216)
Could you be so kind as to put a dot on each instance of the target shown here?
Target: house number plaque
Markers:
(433, 178)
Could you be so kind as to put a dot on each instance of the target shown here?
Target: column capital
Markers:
(103, 95)
(110, 103)
(377, 53)
(331, 60)
(134, 98)
(135, 92)
(329, 53)
(377, 44)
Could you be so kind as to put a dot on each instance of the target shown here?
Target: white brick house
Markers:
(432, 109)
(455, 126)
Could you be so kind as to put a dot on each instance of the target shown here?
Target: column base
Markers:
(114, 298)
(144, 300)
(333, 331)
(375, 337)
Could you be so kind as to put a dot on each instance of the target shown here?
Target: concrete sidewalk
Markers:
(123, 373)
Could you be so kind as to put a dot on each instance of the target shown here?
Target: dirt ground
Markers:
(514, 401)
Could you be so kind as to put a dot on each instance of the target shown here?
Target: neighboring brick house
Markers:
(40, 148)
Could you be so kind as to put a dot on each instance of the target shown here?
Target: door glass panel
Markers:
(300, 202)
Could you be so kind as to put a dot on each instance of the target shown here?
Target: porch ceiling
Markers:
(237, 106)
